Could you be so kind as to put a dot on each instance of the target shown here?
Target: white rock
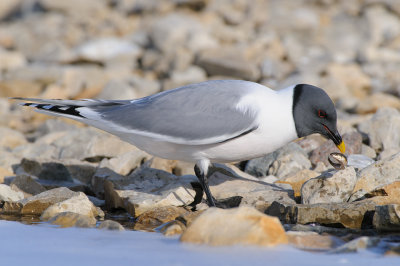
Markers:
(77, 204)
(7, 194)
(333, 187)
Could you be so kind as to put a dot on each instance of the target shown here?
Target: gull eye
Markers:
(321, 114)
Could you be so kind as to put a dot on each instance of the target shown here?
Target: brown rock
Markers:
(241, 225)
(353, 142)
(350, 215)
(298, 179)
(11, 138)
(157, 216)
(3, 173)
(173, 228)
(111, 225)
(35, 205)
(313, 241)
(71, 219)
(389, 194)
(375, 101)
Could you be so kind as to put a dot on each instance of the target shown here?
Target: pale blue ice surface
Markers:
(46, 245)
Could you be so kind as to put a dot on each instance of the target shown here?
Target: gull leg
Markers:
(203, 178)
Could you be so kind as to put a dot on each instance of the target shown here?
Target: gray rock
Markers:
(383, 129)
(226, 182)
(148, 188)
(54, 170)
(222, 62)
(125, 163)
(359, 161)
(178, 30)
(11, 59)
(387, 218)
(378, 174)
(11, 138)
(349, 215)
(330, 187)
(193, 74)
(7, 194)
(27, 185)
(111, 225)
(283, 162)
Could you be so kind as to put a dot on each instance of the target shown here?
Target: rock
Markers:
(230, 63)
(228, 181)
(55, 170)
(35, 205)
(145, 189)
(350, 215)
(117, 90)
(4, 173)
(27, 185)
(351, 77)
(330, 187)
(242, 225)
(193, 74)
(178, 30)
(111, 225)
(282, 162)
(125, 163)
(298, 179)
(105, 49)
(11, 138)
(393, 251)
(155, 217)
(353, 142)
(383, 129)
(173, 228)
(376, 101)
(11, 59)
(7, 194)
(313, 241)
(90, 144)
(79, 203)
(378, 174)
(72, 219)
(359, 161)
(96, 201)
(357, 244)
(71, 7)
(368, 151)
(387, 217)
(388, 194)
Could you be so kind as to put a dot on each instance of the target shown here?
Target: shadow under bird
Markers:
(213, 121)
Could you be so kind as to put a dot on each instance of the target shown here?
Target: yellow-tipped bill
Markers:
(341, 147)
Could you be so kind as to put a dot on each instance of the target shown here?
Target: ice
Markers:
(45, 244)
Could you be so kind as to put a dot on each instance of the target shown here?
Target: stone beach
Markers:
(58, 171)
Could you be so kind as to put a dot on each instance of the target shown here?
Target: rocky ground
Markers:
(58, 171)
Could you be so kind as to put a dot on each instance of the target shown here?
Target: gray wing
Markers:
(202, 113)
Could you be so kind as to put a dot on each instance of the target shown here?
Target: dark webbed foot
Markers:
(202, 187)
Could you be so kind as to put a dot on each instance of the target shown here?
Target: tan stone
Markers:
(79, 203)
(71, 219)
(11, 138)
(375, 101)
(351, 77)
(313, 241)
(389, 194)
(157, 216)
(3, 173)
(243, 225)
(298, 179)
(111, 225)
